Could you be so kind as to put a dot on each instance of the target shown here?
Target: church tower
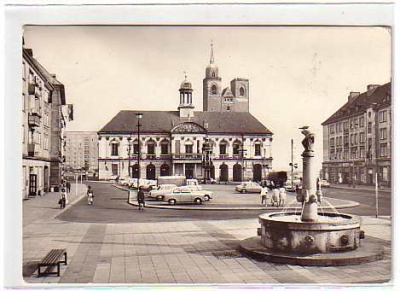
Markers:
(186, 107)
(212, 86)
(234, 98)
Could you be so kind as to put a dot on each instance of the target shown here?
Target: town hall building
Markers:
(224, 141)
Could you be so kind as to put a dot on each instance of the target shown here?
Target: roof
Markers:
(381, 96)
(50, 78)
(164, 121)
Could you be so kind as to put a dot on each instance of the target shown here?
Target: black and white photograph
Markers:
(205, 155)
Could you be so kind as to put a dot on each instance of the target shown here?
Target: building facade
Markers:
(357, 142)
(81, 150)
(44, 117)
(227, 145)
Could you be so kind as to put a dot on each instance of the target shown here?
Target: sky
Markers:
(298, 75)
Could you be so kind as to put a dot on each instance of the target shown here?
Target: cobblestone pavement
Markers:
(185, 252)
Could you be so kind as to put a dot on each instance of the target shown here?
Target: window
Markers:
(369, 130)
(332, 154)
(257, 150)
(346, 126)
(361, 121)
(383, 116)
(332, 142)
(236, 148)
(164, 148)
(213, 74)
(332, 128)
(362, 152)
(383, 133)
(114, 168)
(213, 89)
(362, 137)
(150, 149)
(135, 148)
(189, 148)
(346, 155)
(346, 141)
(241, 91)
(339, 127)
(114, 149)
(383, 150)
(355, 138)
(222, 149)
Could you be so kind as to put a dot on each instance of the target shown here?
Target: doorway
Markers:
(32, 184)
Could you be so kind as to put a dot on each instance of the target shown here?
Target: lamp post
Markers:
(129, 157)
(138, 116)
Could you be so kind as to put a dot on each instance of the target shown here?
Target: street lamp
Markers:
(129, 157)
(139, 116)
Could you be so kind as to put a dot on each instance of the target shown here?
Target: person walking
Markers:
(282, 196)
(275, 197)
(90, 195)
(63, 199)
(263, 195)
(68, 185)
(140, 198)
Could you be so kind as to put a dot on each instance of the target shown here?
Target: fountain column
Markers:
(309, 198)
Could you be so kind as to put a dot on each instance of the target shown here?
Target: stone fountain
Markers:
(313, 237)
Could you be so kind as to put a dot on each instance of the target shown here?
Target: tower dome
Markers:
(186, 85)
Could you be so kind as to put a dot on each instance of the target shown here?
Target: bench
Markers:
(52, 259)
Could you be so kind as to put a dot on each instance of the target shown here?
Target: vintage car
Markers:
(184, 195)
(161, 191)
(247, 187)
(325, 183)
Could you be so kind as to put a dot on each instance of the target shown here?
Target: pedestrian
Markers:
(63, 199)
(282, 196)
(68, 185)
(90, 195)
(263, 195)
(275, 197)
(140, 198)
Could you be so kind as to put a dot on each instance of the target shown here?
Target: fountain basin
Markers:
(332, 232)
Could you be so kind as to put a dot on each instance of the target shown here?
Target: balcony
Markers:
(31, 149)
(33, 120)
(188, 157)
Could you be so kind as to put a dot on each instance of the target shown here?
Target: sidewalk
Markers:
(47, 207)
(183, 252)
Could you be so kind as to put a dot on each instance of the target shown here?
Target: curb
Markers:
(350, 204)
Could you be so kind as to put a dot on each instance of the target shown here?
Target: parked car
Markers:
(325, 183)
(161, 191)
(248, 187)
(193, 184)
(184, 195)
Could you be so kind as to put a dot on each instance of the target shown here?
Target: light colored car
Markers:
(193, 184)
(184, 195)
(325, 183)
(246, 187)
(161, 191)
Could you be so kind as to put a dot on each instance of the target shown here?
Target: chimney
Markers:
(371, 88)
(353, 95)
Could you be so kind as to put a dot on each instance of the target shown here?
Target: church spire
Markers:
(212, 53)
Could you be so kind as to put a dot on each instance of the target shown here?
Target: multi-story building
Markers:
(357, 139)
(217, 142)
(44, 116)
(81, 150)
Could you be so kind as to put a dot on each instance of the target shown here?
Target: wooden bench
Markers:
(52, 259)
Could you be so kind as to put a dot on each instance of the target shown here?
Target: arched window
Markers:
(213, 74)
(241, 91)
(214, 89)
